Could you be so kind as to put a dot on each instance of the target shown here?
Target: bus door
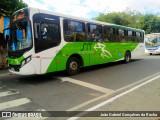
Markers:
(47, 36)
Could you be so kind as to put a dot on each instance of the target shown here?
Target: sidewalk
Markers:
(145, 98)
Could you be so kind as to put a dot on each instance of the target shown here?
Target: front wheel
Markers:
(73, 66)
(127, 57)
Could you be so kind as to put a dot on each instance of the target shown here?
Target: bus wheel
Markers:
(127, 57)
(73, 66)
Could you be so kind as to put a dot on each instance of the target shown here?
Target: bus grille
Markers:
(14, 67)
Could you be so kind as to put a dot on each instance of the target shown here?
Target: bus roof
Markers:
(82, 19)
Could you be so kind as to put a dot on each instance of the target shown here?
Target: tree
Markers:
(126, 18)
(148, 22)
(8, 7)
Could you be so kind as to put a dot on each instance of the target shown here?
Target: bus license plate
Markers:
(151, 50)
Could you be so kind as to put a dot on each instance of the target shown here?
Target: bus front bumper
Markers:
(152, 51)
(27, 69)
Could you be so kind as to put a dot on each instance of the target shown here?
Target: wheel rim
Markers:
(73, 66)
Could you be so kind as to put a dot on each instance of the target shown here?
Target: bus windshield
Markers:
(152, 40)
(21, 37)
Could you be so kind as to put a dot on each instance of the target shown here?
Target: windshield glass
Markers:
(152, 40)
(21, 37)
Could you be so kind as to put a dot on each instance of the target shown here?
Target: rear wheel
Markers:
(73, 66)
(127, 57)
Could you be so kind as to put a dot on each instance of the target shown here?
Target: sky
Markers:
(91, 8)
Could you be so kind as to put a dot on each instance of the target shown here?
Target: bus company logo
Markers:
(104, 53)
(86, 49)
(86, 46)
(6, 114)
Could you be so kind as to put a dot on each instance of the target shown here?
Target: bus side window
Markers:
(142, 37)
(74, 31)
(121, 35)
(130, 36)
(36, 30)
(46, 31)
(108, 34)
(94, 33)
(138, 35)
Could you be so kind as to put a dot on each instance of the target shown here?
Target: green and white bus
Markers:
(44, 42)
(152, 43)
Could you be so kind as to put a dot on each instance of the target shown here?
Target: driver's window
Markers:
(46, 31)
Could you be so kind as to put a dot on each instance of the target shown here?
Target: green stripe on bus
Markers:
(15, 61)
(91, 53)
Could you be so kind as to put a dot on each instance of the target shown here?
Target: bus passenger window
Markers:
(138, 34)
(109, 34)
(129, 33)
(94, 33)
(138, 37)
(130, 37)
(142, 37)
(74, 31)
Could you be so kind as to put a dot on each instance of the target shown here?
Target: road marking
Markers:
(88, 85)
(88, 102)
(112, 99)
(14, 103)
(111, 93)
(7, 93)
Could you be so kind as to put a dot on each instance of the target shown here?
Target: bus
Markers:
(44, 42)
(152, 43)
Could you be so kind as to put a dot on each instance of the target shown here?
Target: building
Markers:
(4, 23)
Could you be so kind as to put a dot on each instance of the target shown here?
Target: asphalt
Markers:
(143, 101)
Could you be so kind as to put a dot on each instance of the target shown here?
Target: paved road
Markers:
(94, 85)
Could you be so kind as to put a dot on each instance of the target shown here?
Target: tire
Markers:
(73, 66)
(127, 57)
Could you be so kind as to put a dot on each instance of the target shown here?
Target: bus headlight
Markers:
(28, 59)
(25, 61)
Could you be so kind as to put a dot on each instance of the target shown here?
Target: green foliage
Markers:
(10, 6)
(148, 22)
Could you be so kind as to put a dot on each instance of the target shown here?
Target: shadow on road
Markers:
(107, 65)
